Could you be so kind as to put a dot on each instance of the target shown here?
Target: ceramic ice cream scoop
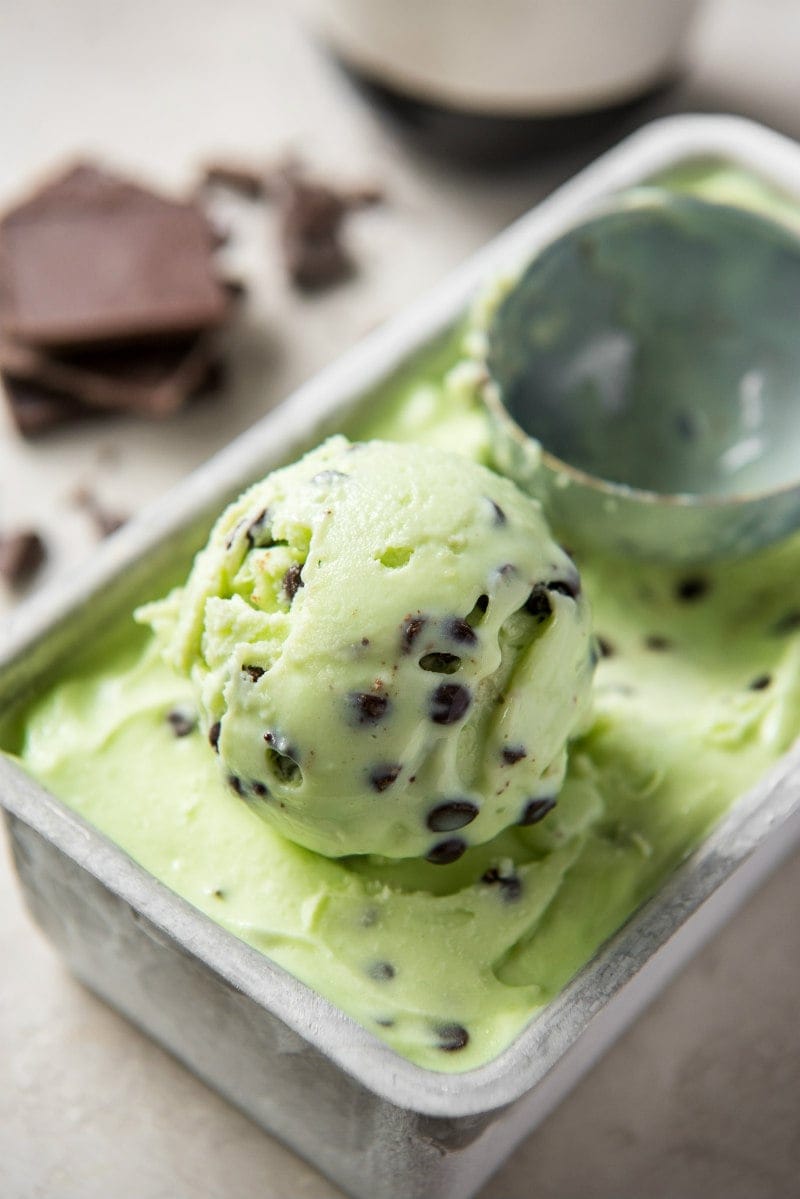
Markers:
(654, 353)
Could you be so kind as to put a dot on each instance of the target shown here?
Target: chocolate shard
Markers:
(21, 557)
(151, 257)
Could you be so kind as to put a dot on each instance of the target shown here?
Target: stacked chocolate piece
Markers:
(109, 301)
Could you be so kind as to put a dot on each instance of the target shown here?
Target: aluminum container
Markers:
(378, 1125)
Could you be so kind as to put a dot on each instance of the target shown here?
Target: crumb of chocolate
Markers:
(512, 754)
(382, 777)
(22, 555)
(255, 672)
(293, 581)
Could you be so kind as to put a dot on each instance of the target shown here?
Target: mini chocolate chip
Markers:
(293, 581)
(656, 642)
(445, 852)
(451, 815)
(440, 663)
(691, 588)
(255, 672)
(760, 683)
(236, 784)
(512, 754)
(789, 623)
(182, 721)
(500, 517)
(536, 810)
(213, 735)
(510, 884)
(256, 528)
(570, 587)
(452, 1037)
(381, 972)
(410, 629)
(449, 703)
(459, 630)
(368, 707)
(605, 647)
(538, 604)
(381, 777)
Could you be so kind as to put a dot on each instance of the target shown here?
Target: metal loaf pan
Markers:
(381, 1127)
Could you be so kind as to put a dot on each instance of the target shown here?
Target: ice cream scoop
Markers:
(388, 650)
(653, 352)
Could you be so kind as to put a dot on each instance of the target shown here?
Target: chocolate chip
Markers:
(449, 703)
(410, 629)
(368, 707)
(510, 884)
(21, 557)
(512, 754)
(461, 631)
(656, 642)
(445, 852)
(256, 528)
(293, 581)
(789, 623)
(381, 972)
(213, 735)
(182, 721)
(452, 1037)
(236, 784)
(538, 604)
(570, 587)
(692, 588)
(381, 777)
(760, 683)
(440, 663)
(451, 815)
(260, 790)
(536, 810)
(255, 672)
(605, 647)
(500, 517)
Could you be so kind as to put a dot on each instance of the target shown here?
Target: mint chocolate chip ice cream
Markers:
(388, 651)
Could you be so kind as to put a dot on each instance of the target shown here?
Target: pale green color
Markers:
(372, 635)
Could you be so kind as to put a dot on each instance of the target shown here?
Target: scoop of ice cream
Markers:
(388, 650)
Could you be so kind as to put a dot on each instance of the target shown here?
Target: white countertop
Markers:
(702, 1096)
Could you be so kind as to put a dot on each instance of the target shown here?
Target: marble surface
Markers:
(702, 1096)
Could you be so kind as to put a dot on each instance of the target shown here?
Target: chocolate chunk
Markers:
(248, 181)
(311, 218)
(182, 721)
(381, 972)
(452, 1037)
(536, 810)
(255, 672)
(410, 629)
(293, 581)
(538, 604)
(381, 777)
(760, 683)
(692, 588)
(213, 735)
(510, 884)
(449, 703)
(21, 557)
(440, 663)
(657, 642)
(445, 852)
(93, 258)
(368, 706)
(512, 754)
(451, 815)
(461, 631)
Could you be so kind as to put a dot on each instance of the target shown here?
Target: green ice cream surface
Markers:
(696, 693)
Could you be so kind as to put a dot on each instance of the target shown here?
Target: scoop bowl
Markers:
(653, 353)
